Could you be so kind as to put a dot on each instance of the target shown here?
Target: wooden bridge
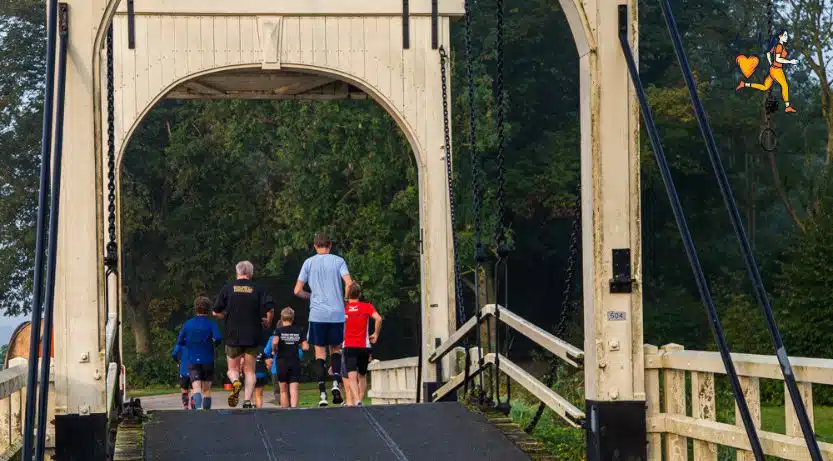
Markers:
(110, 62)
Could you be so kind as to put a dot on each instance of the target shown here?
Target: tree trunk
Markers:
(140, 324)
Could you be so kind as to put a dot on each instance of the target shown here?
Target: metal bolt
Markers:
(85, 357)
(614, 344)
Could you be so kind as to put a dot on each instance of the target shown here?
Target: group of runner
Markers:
(338, 328)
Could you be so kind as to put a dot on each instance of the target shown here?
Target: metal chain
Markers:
(477, 199)
(111, 259)
(566, 311)
(458, 286)
(501, 231)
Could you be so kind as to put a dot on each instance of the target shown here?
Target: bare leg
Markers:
(348, 394)
(353, 382)
(249, 372)
(206, 389)
(293, 391)
(285, 395)
(362, 387)
(259, 397)
(233, 368)
(196, 387)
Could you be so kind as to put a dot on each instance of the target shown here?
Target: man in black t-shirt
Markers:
(246, 309)
(287, 339)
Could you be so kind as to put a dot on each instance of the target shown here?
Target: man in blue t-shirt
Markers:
(324, 273)
(180, 354)
(200, 335)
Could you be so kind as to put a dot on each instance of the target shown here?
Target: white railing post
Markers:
(703, 407)
(676, 447)
(752, 393)
(652, 402)
(793, 428)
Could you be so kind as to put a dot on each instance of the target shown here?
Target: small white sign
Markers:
(616, 316)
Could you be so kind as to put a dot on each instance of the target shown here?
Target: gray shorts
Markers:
(234, 352)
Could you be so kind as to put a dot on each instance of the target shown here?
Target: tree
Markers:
(21, 95)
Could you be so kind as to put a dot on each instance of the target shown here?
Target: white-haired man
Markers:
(246, 310)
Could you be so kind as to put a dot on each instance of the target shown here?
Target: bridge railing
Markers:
(393, 381)
(671, 372)
(12, 407)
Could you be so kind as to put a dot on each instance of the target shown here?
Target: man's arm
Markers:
(304, 345)
(220, 305)
(347, 282)
(180, 339)
(215, 331)
(299, 290)
(377, 327)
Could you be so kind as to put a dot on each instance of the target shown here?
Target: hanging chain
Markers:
(501, 231)
(111, 258)
(477, 199)
(566, 311)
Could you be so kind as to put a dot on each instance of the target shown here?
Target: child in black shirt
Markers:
(288, 338)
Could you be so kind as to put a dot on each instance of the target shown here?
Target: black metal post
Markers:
(743, 239)
(131, 26)
(435, 33)
(688, 242)
(37, 287)
(48, 317)
(406, 29)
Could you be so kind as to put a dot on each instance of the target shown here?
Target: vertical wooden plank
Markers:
(371, 59)
(221, 50)
(382, 55)
(395, 62)
(207, 45)
(142, 65)
(357, 46)
(233, 40)
(129, 104)
(291, 40)
(167, 63)
(344, 44)
(248, 40)
(194, 49)
(119, 46)
(319, 41)
(793, 427)
(702, 407)
(181, 53)
(652, 402)
(752, 391)
(331, 41)
(408, 67)
(424, 107)
(306, 54)
(18, 400)
(676, 447)
(155, 50)
(5, 424)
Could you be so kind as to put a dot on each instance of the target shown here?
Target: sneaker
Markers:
(790, 109)
(247, 404)
(740, 86)
(234, 396)
(358, 404)
(337, 396)
(323, 402)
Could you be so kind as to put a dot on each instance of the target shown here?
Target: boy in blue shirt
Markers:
(179, 354)
(200, 335)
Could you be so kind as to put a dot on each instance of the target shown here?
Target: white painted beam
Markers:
(294, 8)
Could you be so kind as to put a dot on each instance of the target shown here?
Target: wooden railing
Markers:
(393, 381)
(12, 406)
(666, 370)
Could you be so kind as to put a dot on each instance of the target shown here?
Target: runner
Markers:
(272, 365)
(356, 350)
(285, 345)
(246, 309)
(260, 374)
(324, 273)
(179, 354)
(199, 335)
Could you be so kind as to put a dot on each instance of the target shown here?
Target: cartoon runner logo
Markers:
(776, 54)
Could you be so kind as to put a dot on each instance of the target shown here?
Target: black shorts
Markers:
(201, 371)
(289, 371)
(185, 382)
(356, 359)
(261, 382)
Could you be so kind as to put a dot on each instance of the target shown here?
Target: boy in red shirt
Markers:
(356, 352)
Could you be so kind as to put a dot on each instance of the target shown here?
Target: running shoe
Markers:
(323, 402)
(234, 396)
(337, 395)
(247, 405)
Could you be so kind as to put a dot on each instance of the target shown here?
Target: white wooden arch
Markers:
(610, 154)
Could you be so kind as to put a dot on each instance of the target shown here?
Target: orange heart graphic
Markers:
(747, 64)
